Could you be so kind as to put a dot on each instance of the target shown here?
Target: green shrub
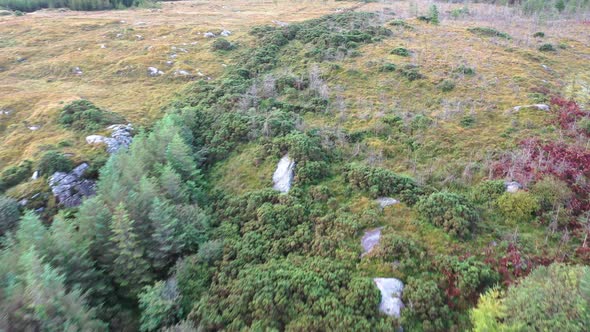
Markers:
(9, 214)
(446, 85)
(388, 67)
(222, 44)
(467, 121)
(539, 34)
(464, 70)
(53, 161)
(401, 51)
(33, 5)
(551, 193)
(383, 182)
(518, 207)
(547, 48)
(14, 175)
(401, 23)
(486, 192)
(82, 115)
(488, 32)
(449, 211)
(459, 12)
(411, 72)
(551, 298)
(428, 310)
(396, 248)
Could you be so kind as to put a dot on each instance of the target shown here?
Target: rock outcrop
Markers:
(370, 240)
(391, 296)
(540, 107)
(283, 175)
(120, 137)
(70, 188)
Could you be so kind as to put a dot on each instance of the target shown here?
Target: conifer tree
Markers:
(165, 242)
(130, 270)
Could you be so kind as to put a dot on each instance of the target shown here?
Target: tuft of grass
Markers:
(388, 67)
(488, 32)
(446, 85)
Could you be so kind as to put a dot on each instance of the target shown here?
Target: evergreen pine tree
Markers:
(179, 155)
(165, 242)
(433, 14)
(130, 270)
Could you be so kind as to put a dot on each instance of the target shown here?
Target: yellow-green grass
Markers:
(39, 51)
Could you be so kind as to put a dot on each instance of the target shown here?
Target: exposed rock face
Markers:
(370, 240)
(120, 137)
(386, 201)
(70, 188)
(512, 186)
(283, 176)
(391, 294)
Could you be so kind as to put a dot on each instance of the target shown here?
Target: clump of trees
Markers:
(32, 5)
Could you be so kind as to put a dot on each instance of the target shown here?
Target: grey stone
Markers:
(280, 23)
(35, 175)
(391, 296)
(283, 175)
(370, 240)
(70, 188)
(225, 33)
(77, 71)
(540, 107)
(121, 136)
(34, 128)
(209, 35)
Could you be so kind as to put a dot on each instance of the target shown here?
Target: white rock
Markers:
(225, 33)
(370, 240)
(541, 107)
(280, 23)
(139, 37)
(512, 186)
(181, 73)
(283, 175)
(153, 71)
(103, 46)
(391, 293)
(209, 35)
(77, 71)
(95, 139)
(386, 201)
(35, 175)
(33, 128)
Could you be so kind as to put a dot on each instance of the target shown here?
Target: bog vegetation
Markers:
(167, 243)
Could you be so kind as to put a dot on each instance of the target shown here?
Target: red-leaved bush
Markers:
(568, 114)
(535, 159)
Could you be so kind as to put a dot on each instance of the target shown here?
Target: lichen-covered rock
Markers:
(283, 175)
(391, 296)
(70, 188)
(370, 240)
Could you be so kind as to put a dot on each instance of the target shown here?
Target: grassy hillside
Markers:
(369, 99)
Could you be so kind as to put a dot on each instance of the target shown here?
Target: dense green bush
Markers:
(464, 70)
(518, 207)
(552, 298)
(401, 51)
(488, 32)
(222, 44)
(388, 67)
(83, 115)
(411, 72)
(9, 214)
(449, 211)
(486, 192)
(547, 48)
(383, 182)
(426, 309)
(53, 161)
(396, 248)
(14, 175)
(539, 34)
